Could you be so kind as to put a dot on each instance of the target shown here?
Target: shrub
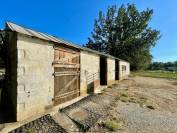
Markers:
(112, 125)
(124, 94)
(31, 130)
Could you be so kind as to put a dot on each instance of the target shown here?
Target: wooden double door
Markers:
(67, 75)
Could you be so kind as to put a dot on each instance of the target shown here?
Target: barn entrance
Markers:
(67, 75)
(103, 71)
(117, 70)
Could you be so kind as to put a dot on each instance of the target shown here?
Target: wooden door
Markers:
(67, 75)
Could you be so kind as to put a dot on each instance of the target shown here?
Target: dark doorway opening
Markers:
(117, 70)
(7, 78)
(103, 71)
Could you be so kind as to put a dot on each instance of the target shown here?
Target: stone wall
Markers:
(35, 81)
(110, 70)
(89, 80)
(31, 79)
(123, 74)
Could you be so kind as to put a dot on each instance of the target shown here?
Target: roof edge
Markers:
(30, 32)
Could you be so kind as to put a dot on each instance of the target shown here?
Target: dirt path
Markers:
(150, 105)
(161, 92)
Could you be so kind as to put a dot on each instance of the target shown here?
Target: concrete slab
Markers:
(7, 127)
(78, 114)
(64, 121)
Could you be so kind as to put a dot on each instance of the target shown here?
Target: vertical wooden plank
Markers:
(62, 91)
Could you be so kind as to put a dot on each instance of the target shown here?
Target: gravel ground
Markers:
(161, 94)
(142, 120)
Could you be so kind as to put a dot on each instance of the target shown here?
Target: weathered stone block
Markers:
(20, 107)
(21, 54)
(89, 71)
(20, 71)
(111, 69)
(35, 88)
(21, 88)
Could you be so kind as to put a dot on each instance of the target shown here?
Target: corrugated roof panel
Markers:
(54, 38)
(40, 35)
(18, 28)
(37, 34)
(26, 31)
(29, 32)
(49, 37)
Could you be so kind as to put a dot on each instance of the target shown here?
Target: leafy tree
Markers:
(4, 83)
(2, 56)
(161, 65)
(157, 66)
(168, 64)
(124, 33)
(175, 63)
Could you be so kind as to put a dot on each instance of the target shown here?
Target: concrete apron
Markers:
(100, 89)
(7, 127)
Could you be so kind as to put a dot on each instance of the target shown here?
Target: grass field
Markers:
(157, 74)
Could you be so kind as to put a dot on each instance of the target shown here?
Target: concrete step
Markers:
(99, 89)
(65, 122)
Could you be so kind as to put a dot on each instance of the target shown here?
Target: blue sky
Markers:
(73, 19)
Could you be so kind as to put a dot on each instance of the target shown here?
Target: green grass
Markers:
(124, 94)
(112, 125)
(128, 98)
(157, 74)
(124, 99)
(31, 130)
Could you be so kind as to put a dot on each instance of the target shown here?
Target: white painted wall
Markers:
(124, 74)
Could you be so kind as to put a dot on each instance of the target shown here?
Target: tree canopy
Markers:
(162, 65)
(124, 33)
(2, 53)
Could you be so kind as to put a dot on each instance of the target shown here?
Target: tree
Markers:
(169, 64)
(162, 65)
(124, 33)
(175, 63)
(157, 66)
(2, 54)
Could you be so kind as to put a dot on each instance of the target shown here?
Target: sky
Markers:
(73, 20)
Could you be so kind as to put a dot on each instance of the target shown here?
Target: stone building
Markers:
(45, 71)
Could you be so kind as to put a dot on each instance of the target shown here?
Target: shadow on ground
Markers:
(5, 111)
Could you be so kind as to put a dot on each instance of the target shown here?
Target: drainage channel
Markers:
(84, 113)
(88, 111)
(85, 124)
(44, 124)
